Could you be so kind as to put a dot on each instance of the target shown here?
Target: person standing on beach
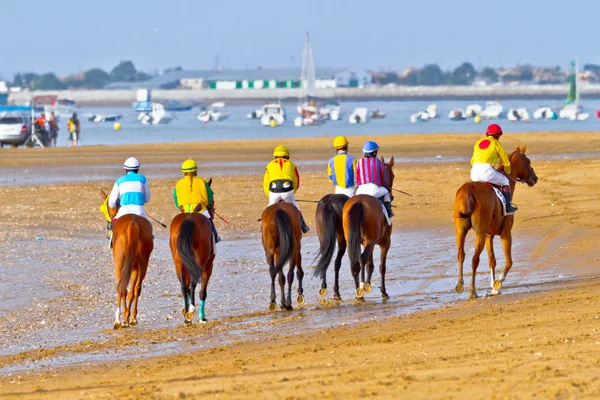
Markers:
(53, 125)
(74, 129)
(341, 168)
(281, 181)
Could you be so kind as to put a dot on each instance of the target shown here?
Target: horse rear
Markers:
(365, 224)
(330, 230)
(281, 236)
(132, 246)
(193, 250)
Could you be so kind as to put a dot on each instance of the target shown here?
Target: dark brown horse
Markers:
(476, 206)
(193, 249)
(281, 235)
(330, 230)
(365, 224)
(132, 245)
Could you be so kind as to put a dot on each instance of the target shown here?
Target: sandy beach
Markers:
(538, 339)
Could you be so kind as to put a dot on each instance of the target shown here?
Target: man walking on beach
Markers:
(341, 168)
(53, 127)
(74, 129)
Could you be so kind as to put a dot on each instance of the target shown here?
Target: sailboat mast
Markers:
(577, 80)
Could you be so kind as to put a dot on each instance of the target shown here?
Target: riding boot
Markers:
(388, 208)
(305, 227)
(214, 231)
(510, 207)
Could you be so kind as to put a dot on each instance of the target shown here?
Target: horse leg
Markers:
(118, 264)
(128, 312)
(338, 265)
(365, 260)
(273, 273)
(370, 269)
(204, 287)
(282, 287)
(138, 291)
(462, 226)
(290, 279)
(479, 244)
(385, 247)
(489, 245)
(300, 276)
(507, 247)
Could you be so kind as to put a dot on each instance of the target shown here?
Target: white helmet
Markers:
(131, 164)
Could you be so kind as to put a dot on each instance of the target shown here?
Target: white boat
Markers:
(359, 116)
(493, 110)
(573, 109)
(331, 111)
(272, 114)
(432, 110)
(212, 115)
(458, 114)
(421, 116)
(256, 114)
(545, 112)
(473, 110)
(157, 116)
(62, 108)
(518, 114)
(378, 114)
(105, 117)
(218, 104)
(308, 121)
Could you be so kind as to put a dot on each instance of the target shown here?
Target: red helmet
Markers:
(494, 130)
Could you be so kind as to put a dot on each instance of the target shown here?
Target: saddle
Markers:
(500, 196)
(385, 213)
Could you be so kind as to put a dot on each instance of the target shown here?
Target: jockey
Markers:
(370, 176)
(485, 155)
(341, 168)
(131, 190)
(191, 191)
(281, 180)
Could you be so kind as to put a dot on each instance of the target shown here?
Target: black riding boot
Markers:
(388, 208)
(214, 231)
(510, 207)
(305, 227)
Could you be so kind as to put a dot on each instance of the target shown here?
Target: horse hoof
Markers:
(360, 292)
(337, 297)
(187, 322)
(368, 288)
(385, 296)
(203, 321)
(460, 288)
(497, 284)
(300, 299)
(125, 325)
(495, 292)
(272, 306)
(133, 322)
(473, 296)
(322, 292)
(360, 299)
(117, 325)
(189, 316)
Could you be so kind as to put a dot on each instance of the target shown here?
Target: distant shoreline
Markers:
(259, 96)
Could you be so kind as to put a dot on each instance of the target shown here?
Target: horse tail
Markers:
(329, 222)
(133, 234)
(286, 237)
(465, 207)
(185, 249)
(356, 216)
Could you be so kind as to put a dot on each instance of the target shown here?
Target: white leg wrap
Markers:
(117, 312)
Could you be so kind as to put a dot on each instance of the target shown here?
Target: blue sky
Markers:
(69, 35)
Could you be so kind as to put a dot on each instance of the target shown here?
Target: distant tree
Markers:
(591, 67)
(26, 79)
(463, 74)
(411, 79)
(48, 81)
(431, 75)
(527, 75)
(124, 72)
(142, 77)
(489, 74)
(96, 78)
(18, 80)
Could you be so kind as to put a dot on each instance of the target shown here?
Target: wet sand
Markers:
(537, 338)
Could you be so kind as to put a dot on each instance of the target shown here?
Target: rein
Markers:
(529, 170)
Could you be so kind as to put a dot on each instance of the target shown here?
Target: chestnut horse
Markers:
(132, 245)
(281, 235)
(365, 224)
(477, 206)
(330, 229)
(193, 249)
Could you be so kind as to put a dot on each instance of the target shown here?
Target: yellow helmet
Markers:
(340, 142)
(281, 151)
(189, 165)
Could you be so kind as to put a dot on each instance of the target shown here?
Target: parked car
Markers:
(14, 130)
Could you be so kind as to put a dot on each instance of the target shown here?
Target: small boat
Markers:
(331, 111)
(518, 114)
(573, 108)
(545, 112)
(256, 114)
(308, 121)
(457, 114)
(421, 116)
(378, 114)
(213, 115)
(473, 110)
(157, 116)
(174, 105)
(272, 115)
(218, 104)
(432, 110)
(359, 116)
(105, 117)
(493, 110)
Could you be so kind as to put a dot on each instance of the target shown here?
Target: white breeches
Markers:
(206, 214)
(373, 190)
(486, 173)
(288, 197)
(349, 191)
(132, 209)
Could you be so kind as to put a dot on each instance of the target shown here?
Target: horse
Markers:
(133, 243)
(281, 235)
(330, 229)
(193, 249)
(365, 223)
(476, 206)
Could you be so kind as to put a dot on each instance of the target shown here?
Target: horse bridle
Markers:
(529, 170)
